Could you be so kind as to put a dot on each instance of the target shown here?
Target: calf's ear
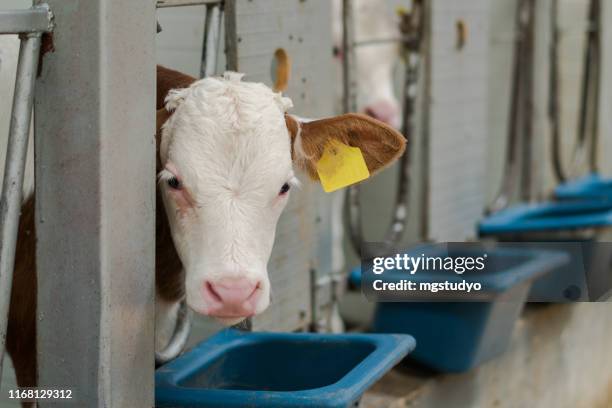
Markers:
(380, 144)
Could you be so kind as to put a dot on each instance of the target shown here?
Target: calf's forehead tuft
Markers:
(217, 112)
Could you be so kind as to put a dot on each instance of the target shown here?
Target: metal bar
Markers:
(380, 41)
(231, 35)
(595, 23)
(528, 174)
(34, 20)
(585, 151)
(511, 165)
(210, 44)
(12, 186)
(554, 111)
(179, 337)
(349, 104)
(348, 60)
(183, 3)
(95, 205)
(414, 49)
(204, 55)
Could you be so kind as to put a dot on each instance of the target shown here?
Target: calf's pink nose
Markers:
(231, 297)
(383, 110)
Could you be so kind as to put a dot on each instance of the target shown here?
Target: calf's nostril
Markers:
(213, 293)
(231, 291)
(371, 112)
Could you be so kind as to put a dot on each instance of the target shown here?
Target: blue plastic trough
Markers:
(551, 218)
(241, 369)
(592, 186)
(572, 226)
(456, 336)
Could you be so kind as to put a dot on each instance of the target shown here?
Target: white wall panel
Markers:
(458, 112)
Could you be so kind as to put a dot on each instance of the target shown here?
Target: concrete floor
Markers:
(559, 357)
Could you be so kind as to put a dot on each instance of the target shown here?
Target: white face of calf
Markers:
(228, 171)
(373, 20)
(226, 153)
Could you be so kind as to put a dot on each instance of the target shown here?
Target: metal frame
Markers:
(589, 107)
(30, 25)
(183, 3)
(554, 108)
(38, 19)
(95, 204)
(588, 126)
(520, 118)
(212, 39)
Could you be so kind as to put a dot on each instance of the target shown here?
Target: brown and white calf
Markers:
(227, 151)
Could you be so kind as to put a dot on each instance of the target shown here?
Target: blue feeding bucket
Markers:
(242, 369)
(592, 186)
(582, 229)
(457, 336)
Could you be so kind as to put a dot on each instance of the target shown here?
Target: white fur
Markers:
(229, 144)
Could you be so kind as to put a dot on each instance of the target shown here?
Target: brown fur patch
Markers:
(168, 79)
(21, 330)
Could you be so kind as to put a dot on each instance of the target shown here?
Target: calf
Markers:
(226, 155)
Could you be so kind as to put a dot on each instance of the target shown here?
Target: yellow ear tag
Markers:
(340, 166)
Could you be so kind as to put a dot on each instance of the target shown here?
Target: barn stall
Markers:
(460, 128)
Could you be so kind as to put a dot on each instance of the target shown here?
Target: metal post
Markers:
(212, 34)
(554, 93)
(348, 37)
(12, 186)
(182, 3)
(528, 173)
(231, 35)
(95, 204)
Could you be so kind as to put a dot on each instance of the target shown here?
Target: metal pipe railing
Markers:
(37, 19)
(30, 24)
(183, 3)
(179, 337)
(589, 106)
(554, 93)
(517, 115)
(584, 152)
(212, 39)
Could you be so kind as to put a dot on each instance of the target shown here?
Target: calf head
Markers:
(228, 153)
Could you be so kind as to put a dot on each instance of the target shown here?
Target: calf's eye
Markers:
(174, 183)
(284, 189)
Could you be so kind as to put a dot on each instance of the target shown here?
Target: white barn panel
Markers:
(457, 119)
